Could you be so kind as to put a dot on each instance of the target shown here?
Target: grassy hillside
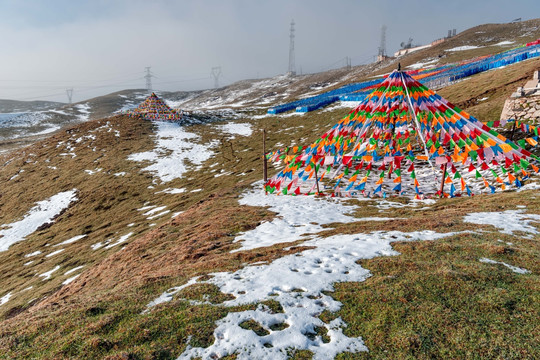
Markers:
(435, 299)
(486, 38)
(483, 95)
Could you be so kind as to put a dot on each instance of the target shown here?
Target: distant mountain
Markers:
(13, 106)
(23, 122)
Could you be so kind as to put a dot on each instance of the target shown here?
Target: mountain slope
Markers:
(148, 208)
(11, 106)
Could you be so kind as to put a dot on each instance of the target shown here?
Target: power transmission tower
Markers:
(148, 78)
(216, 73)
(69, 93)
(348, 63)
(292, 65)
(382, 46)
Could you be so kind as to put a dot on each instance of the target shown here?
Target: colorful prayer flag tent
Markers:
(153, 108)
(404, 138)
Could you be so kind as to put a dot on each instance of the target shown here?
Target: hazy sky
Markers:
(101, 46)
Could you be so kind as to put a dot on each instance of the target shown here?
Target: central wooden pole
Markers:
(513, 130)
(443, 178)
(317, 180)
(265, 165)
(391, 143)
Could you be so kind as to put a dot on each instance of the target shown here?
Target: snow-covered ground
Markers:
(507, 221)
(298, 216)
(43, 212)
(16, 125)
(176, 152)
(463, 48)
(236, 129)
(299, 281)
(296, 281)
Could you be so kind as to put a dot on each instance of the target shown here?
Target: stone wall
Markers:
(522, 108)
(524, 104)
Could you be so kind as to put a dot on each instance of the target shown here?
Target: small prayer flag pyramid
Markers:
(153, 108)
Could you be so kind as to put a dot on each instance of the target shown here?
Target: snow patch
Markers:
(463, 48)
(504, 43)
(176, 214)
(154, 210)
(175, 153)
(73, 270)
(70, 279)
(47, 275)
(508, 221)
(121, 240)
(4, 299)
(158, 215)
(72, 240)
(93, 172)
(168, 295)
(529, 186)
(43, 212)
(420, 65)
(35, 253)
(172, 191)
(236, 129)
(84, 110)
(297, 282)
(511, 267)
(291, 225)
(54, 253)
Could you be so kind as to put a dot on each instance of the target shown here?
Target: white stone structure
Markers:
(524, 104)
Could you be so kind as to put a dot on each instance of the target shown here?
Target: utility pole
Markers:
(148, 78)
(292, 65)
(216, 73)
(69, 93)
(382, 45)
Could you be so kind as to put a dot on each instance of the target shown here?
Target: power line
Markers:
(185, 80)
(122, 76)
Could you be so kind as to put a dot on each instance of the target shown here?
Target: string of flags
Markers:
(405, 138)
(155, 109)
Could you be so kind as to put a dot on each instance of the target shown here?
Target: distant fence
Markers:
(442, 76)
(318, 101)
